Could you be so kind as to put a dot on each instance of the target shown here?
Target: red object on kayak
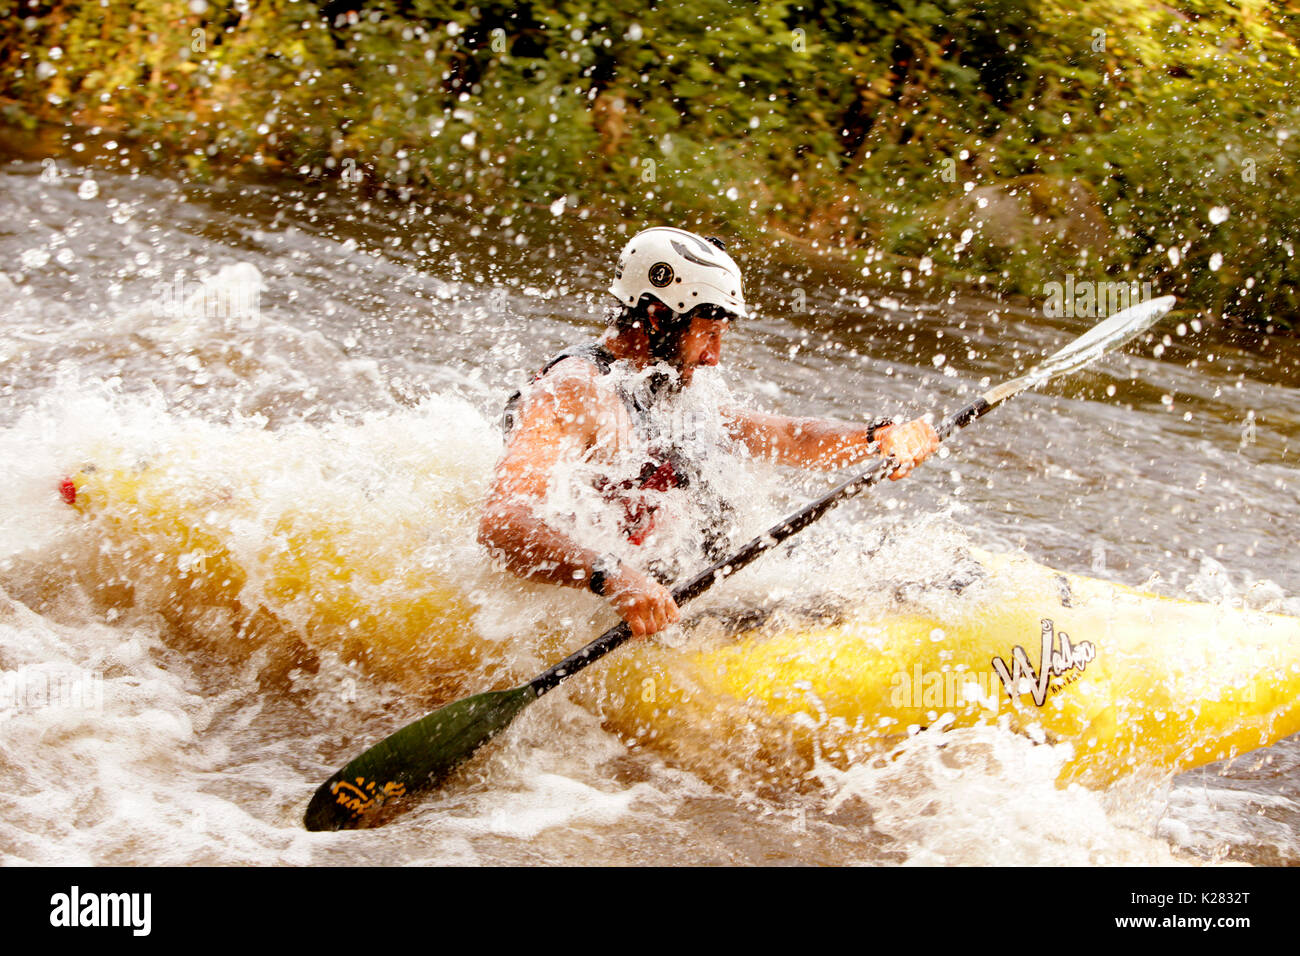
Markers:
(68, 490)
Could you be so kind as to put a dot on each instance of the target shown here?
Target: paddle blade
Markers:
(1105, 336)
(1087, 348)
(414, 758)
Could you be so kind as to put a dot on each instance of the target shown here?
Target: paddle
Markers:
(416, 757)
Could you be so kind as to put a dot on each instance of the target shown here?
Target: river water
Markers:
(324, 374)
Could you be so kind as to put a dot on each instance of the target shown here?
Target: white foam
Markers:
(982, 796)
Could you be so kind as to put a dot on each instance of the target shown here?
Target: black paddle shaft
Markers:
(619, 633)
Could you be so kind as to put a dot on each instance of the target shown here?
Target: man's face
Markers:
(700, 345)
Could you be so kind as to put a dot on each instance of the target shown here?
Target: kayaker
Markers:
(592, 405)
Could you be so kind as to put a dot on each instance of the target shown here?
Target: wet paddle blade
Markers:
(413, 759)
(1100, 339)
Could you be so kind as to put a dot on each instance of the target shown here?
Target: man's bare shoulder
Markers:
(574, 373)
(572, 395)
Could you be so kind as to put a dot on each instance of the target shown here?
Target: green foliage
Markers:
(830, 120)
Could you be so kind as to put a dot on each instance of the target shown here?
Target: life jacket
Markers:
(665, 468)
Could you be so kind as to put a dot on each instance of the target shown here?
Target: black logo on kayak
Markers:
(1057, 657)
(661, 273)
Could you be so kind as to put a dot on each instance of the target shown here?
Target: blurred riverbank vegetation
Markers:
(1000, 143)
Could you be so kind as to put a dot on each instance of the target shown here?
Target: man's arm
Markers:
(551, 429)
(827, 444)
(557, 426)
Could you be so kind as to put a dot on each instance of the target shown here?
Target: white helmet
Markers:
(680, 269)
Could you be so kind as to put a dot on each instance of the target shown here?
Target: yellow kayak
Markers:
(244, 555)
(1129, 679)
(1132, 681)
